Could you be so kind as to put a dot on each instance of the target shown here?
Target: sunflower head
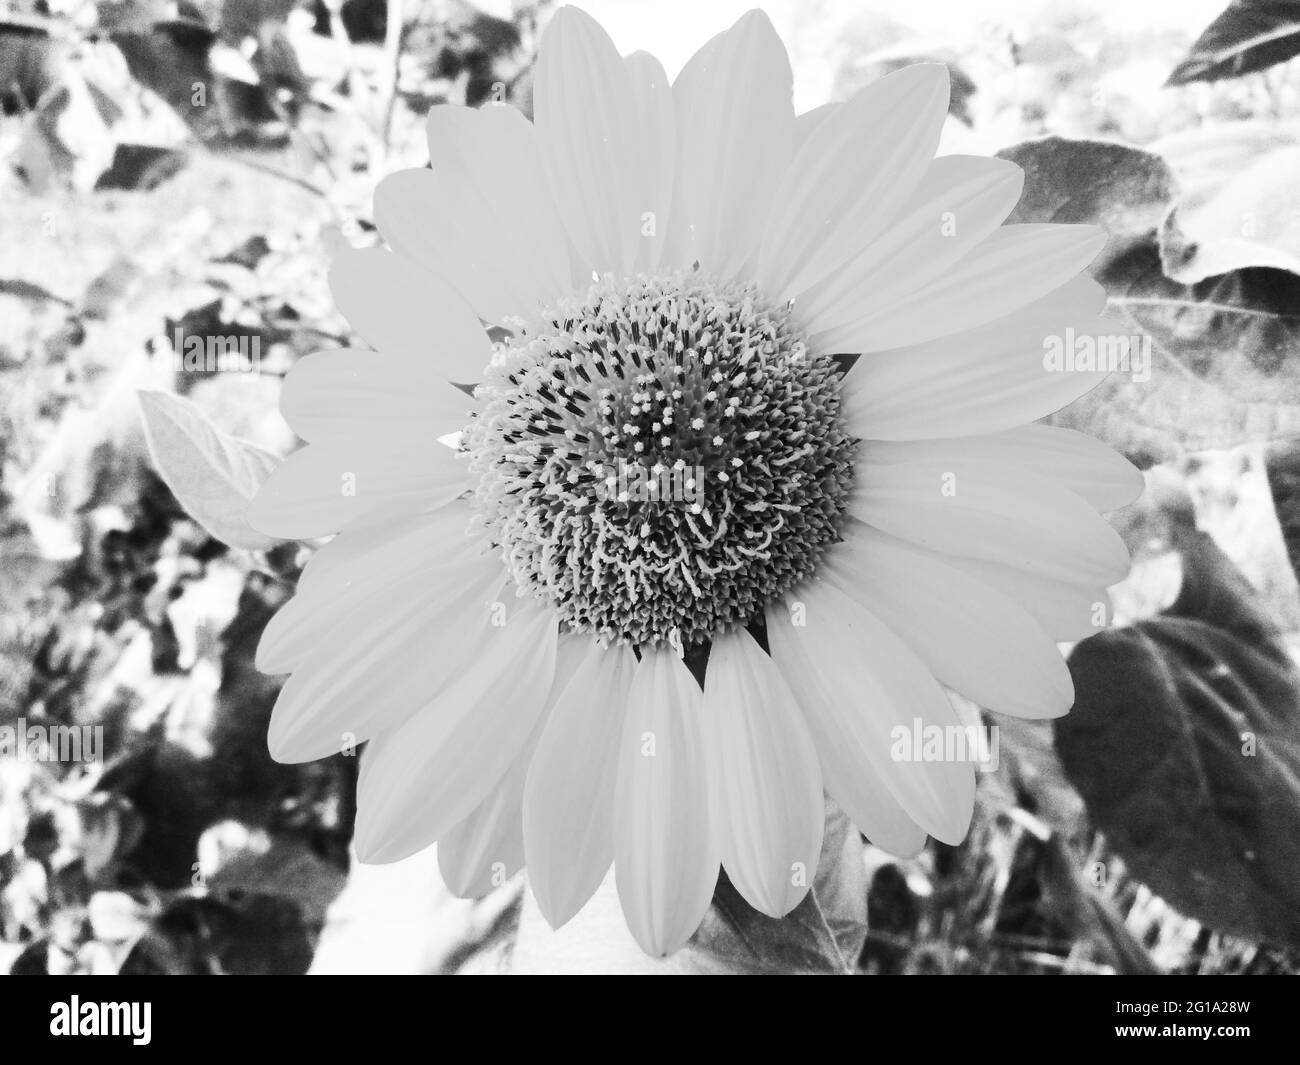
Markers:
(661, 458)
(746, 482)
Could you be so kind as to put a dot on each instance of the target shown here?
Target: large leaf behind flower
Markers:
(1225, 364)
(1184, 741)
(1226, 353)
(1124, 190)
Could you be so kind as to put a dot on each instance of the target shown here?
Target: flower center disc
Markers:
(661, 459)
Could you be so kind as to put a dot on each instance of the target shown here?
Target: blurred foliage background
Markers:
(184, 169)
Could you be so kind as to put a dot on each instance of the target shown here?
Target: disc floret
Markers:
(661, 458)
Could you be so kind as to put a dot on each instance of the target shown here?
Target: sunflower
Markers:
(693, 460)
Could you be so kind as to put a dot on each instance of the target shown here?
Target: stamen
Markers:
(661, 459)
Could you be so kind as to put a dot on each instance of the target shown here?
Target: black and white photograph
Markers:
(650, 487)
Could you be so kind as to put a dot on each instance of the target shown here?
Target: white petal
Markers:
(587, 131)
(858, 683)
(362, 555)
(569, 796)
(402, 309)
(1078, 462)
(413, 644)
(765, 774)
(969, 635)
(989, 510)
(487, 848)
(735, 139)
(1067, 610)
(416, 552)
(805, 123)
(1008, 270)
(849, 778)
(994, 377)
(492, 152)
(439, 224)
(333, 393)
(850, 177)
(364, 476)
(958, 203)
(665, 838)
(657, 127)
(420, 780)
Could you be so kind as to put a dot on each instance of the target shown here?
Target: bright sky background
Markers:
(673, 29)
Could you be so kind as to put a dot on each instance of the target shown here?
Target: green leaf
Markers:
(843, 884)
(288, 869)
(824, 934)
(1124, 190)
(141, 167)
(1184, 741)
(259, 935)
(1225, 370)
(212, 474)
(30, 291)
(1249, 35)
